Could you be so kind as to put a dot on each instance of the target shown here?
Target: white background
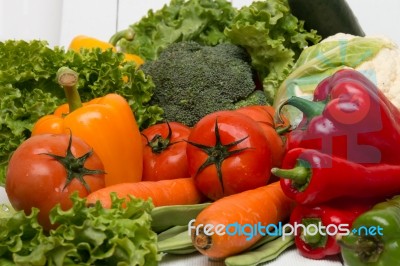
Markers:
(102, 18)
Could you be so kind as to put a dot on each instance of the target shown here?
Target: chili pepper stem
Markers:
(300, 174)
(68, 79)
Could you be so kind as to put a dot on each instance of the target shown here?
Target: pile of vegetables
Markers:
(197, 118)
(29, 88)
(270, 33)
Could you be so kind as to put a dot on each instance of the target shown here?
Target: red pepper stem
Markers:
(68, 79)
(300, 174)
(312, 235)
(310, 109)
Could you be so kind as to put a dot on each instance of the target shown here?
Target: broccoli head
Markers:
(192, 80)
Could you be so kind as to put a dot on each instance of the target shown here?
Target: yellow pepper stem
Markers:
(68, 79)
(127, 34)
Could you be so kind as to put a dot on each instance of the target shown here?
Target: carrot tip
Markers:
(202, 241)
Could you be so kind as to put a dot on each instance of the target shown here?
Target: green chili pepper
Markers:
(375, 236)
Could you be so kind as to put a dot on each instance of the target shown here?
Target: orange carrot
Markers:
(179, 191)
(261, 206)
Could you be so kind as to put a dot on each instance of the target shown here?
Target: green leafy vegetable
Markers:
(28, 88)
(202, 21)
(85, 236)
(268, 30)
(273, 37)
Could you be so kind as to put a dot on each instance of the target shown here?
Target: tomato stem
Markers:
(75, 166)
(158, 144)
(218, 153)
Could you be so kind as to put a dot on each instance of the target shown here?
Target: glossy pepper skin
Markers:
(85, 42)
(329, 217)
(380, 244)
(348, 117)
(311, 177)
(107, 124)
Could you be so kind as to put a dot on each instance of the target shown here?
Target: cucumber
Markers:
(328, 17)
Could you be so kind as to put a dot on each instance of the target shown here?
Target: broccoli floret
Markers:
(258, 97)
(192, 80)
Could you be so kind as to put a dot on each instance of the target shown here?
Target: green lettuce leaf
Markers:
(202, 21)
(28, 87)
(274, 39)
(85, 236)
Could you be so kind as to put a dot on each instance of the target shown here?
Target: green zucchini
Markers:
(327, 17)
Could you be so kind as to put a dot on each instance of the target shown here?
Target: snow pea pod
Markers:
(264, 253)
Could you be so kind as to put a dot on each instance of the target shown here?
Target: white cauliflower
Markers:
(383, 69)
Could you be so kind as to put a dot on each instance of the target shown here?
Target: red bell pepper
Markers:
(310, 177)
(349, 117)
(322, 224)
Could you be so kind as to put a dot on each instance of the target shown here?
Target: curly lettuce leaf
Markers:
(85, 236)
(28, 87)
(273, 37)
(202, 21)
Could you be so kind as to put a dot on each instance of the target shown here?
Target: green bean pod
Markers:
(175, 241)
(171, 232)
(165, 217)
(264, 240)
(264, 253)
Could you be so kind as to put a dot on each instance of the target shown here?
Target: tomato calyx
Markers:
(158, 144)
(218, 153)
(75, 166)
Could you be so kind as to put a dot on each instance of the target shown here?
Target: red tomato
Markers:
(35, 178)
(236, 145)
(260, 113)
(264, 115)
(164, 151)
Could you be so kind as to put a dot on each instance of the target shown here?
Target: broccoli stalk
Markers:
(192, 80)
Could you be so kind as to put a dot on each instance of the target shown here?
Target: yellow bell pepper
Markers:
(107, 124)
(82, 41)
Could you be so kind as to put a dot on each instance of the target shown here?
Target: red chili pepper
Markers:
(311, 177)
(322, 223)
(349, 117)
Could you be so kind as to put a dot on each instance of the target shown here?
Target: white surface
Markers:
(289, 257)
(31, 19)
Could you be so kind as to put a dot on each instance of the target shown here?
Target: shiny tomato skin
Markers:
(264, 116)
(249, 169)
(35, 179)
(170, 163)
(259, 113)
